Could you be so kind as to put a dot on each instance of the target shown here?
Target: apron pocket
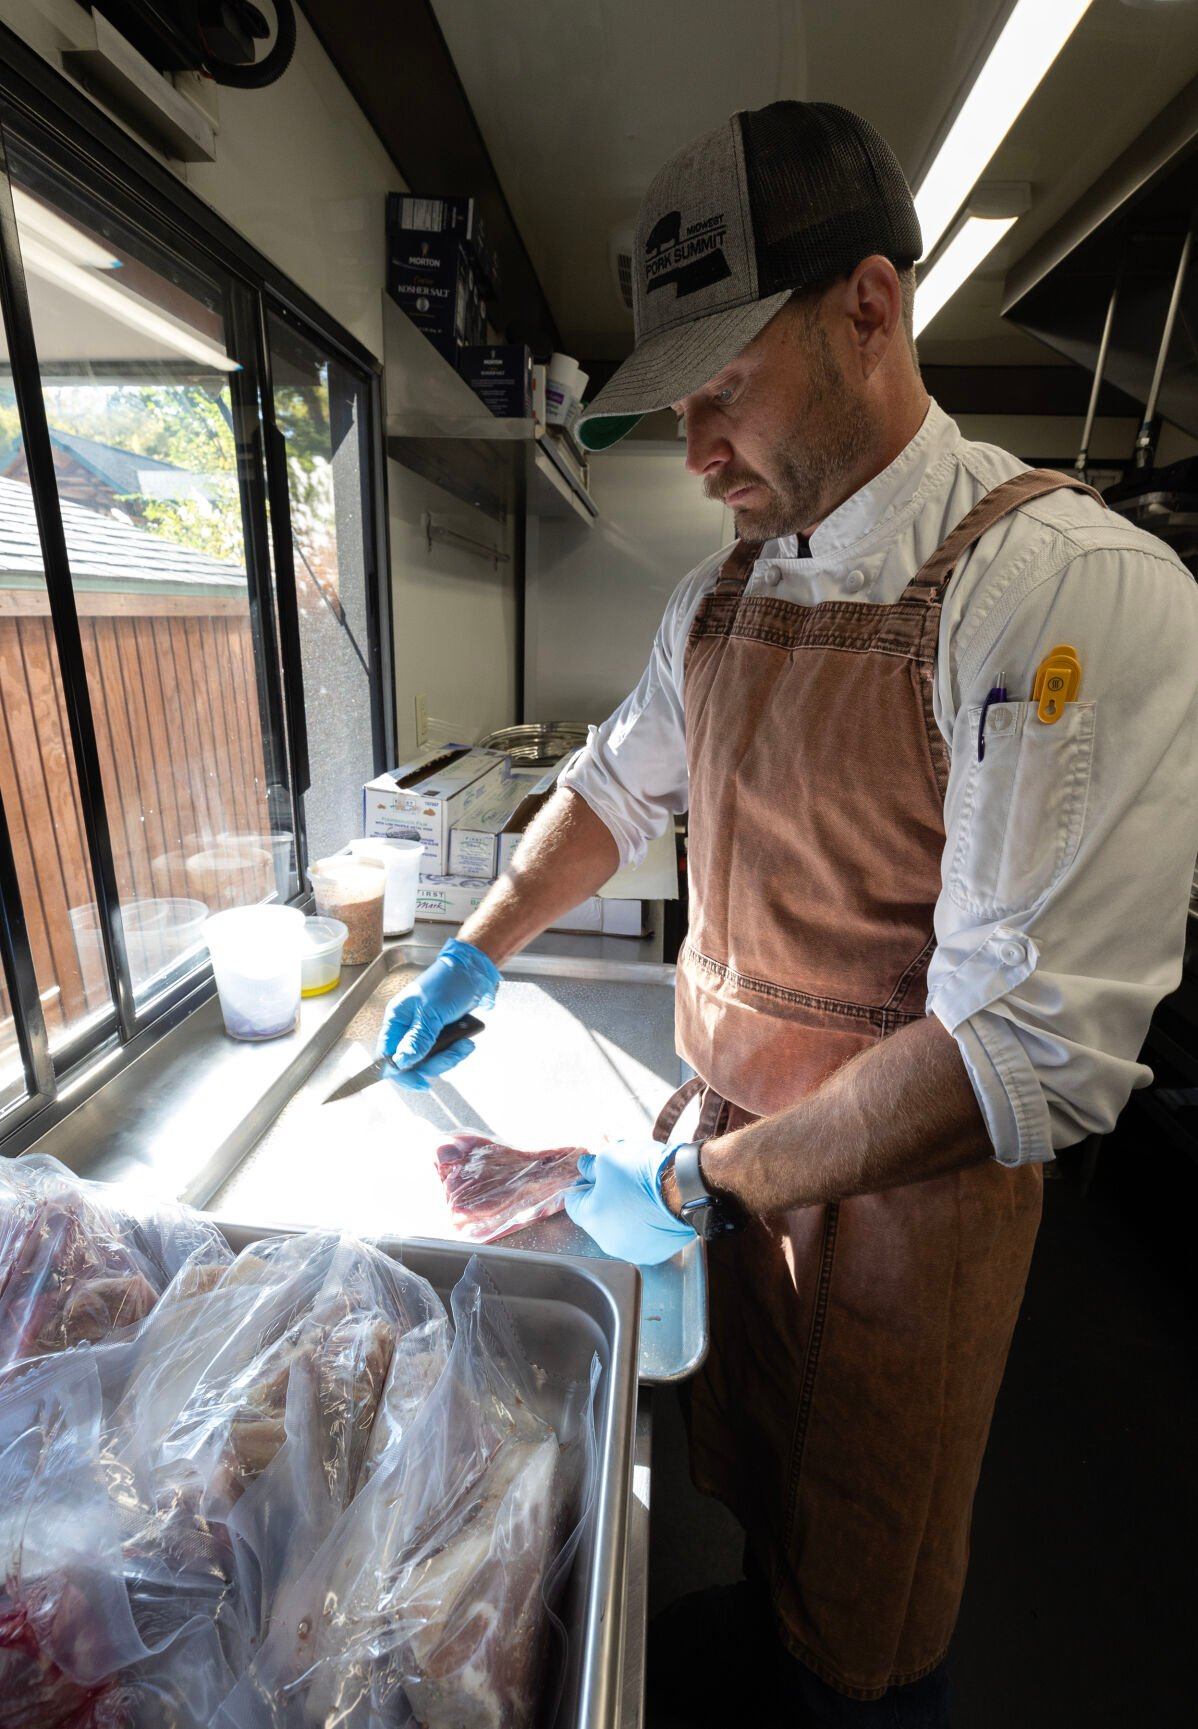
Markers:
(1016, 817)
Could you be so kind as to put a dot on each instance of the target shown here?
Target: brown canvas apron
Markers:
(856, 1348)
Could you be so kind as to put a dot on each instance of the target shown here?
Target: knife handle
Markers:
(468, 1027)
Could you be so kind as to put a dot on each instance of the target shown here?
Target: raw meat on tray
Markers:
(493, 1189)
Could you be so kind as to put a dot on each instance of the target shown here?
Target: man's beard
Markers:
(809, 465)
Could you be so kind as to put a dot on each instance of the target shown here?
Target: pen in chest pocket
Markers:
(997, 693)
(1057, 682)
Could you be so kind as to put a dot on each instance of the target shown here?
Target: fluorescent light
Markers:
(1030, 41)
(122, 305)
(37, 217)
(974, 240)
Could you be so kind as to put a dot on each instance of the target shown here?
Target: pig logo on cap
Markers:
(691, 260)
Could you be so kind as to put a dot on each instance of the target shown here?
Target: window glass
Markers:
(136, 377)
(12, 1068)
(320, 409)
(38, 783)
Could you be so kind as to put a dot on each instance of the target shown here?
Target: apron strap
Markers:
(933, 577)
(674, 1106)
(712, 1113)
(734, 572)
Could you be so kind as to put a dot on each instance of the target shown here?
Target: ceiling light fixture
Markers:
(1026, 47)
(38, 218)
(974, 240)
(121, 305)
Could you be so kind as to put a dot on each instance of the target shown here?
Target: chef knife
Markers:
(468, 1027)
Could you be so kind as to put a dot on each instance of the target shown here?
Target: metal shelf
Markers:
(437, 426)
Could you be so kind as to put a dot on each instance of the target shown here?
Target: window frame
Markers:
(49, 114)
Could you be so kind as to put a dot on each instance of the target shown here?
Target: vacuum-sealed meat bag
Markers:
(493, 1189)
(80, 1262)
(293, 1342)
(430, 1603)
(66, 1630)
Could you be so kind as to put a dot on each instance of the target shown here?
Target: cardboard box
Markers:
(430, 277)
(451, 900)
(501, 377)
(474, 839)
(457, 216)
(424, 798)
(536, 796)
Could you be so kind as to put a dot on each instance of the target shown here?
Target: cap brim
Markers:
(669, 365)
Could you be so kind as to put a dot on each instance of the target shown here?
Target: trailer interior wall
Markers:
(300, 172)
(596, 596)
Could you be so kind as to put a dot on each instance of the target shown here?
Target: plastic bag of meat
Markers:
(97, 1631)
(66, 1629)
(430, 1603)
(493, 1189)
(348, 1401)
(293, 1339)
(80, 1262)
(255, 1399)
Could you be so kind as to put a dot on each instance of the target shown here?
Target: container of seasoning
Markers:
(320, 955)
(401, 860)
(352, 890)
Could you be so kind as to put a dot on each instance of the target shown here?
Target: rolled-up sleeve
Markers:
(632, 771)
(1070, 849)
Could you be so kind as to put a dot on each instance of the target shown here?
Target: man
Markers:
(933, 905)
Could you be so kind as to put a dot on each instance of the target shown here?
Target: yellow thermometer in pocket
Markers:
(1058, 680)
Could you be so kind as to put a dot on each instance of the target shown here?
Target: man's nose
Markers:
(707, 452)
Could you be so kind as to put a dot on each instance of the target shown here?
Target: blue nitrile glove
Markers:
(461, 978)
(617, 1200)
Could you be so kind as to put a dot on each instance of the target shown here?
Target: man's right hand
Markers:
(461, 979)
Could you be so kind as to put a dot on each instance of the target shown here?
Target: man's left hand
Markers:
(617, 1200)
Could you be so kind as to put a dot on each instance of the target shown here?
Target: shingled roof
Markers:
(105, 552)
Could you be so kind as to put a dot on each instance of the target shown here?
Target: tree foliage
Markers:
(190, 426)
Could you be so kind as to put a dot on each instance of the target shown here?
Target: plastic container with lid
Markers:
(401, 861)
(320, 958)
(256, 958)
(351, 889)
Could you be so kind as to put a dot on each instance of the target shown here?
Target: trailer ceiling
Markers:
(580, 104)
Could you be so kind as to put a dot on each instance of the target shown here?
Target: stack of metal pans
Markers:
(537, 744)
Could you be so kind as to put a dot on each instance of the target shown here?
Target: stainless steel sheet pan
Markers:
(565, 1311)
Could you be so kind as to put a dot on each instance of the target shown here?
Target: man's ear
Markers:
(874, 307)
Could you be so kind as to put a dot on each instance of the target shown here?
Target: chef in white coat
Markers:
(933, 716)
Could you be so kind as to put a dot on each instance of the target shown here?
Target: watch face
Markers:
(701, 1217)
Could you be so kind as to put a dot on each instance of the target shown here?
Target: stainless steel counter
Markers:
(569, 1055)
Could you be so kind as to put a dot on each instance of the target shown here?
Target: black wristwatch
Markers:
(707, 1214)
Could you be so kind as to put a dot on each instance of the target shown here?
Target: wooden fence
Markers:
(174, 699)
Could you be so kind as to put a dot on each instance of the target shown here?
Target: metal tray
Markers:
(573, 1049)
(565, 1311)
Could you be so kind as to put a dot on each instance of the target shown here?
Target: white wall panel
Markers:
(596, 595)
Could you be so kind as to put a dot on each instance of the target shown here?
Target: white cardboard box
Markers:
(424, 798)
(654, 879)
(451, 900)
(474, 839)
(536, 795)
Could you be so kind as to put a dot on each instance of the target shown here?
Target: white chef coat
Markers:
(1070, 848)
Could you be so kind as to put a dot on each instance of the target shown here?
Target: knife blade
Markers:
(468, 1027)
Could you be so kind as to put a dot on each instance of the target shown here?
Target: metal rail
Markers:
(1145, 451)
(435, 531)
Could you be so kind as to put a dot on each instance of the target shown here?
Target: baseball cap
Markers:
(775, 199)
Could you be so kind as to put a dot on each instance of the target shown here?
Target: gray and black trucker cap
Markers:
(796, 193)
